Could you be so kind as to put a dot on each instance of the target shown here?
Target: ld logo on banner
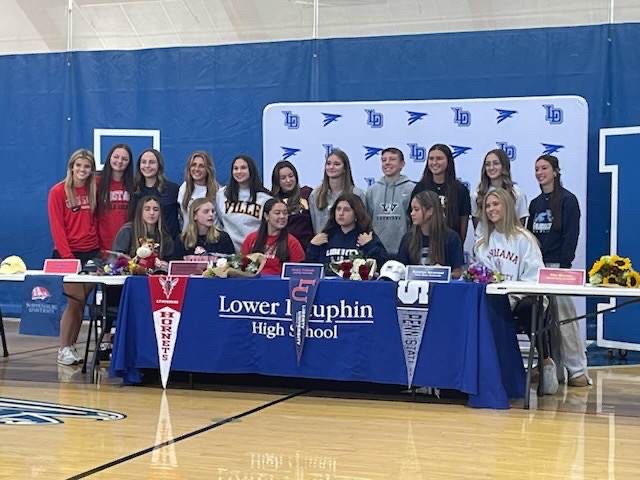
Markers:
(167, 298)
(413, 309)
(303, 285)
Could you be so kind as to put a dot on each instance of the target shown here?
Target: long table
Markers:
(469, 342)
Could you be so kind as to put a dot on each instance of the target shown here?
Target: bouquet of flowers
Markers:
(355, 268)
(236, 266)
(117, 265)
(612, 270)
(480, 273)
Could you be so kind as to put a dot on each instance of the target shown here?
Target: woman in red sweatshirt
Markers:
(72, 217)
(273, 239)
(115, 187)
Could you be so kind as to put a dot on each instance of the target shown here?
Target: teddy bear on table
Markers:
(146, 259)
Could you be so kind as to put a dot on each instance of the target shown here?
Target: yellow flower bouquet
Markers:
(613, 271)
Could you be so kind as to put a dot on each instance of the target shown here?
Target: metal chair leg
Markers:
(4, 337)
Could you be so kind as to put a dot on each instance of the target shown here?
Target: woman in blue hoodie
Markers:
(348, 233)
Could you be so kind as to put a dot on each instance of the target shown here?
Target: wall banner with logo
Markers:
(303, 285)
(167, 299)
(43, 302)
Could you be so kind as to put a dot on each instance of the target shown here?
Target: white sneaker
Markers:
(66, 357)
(76, 355)
(550, 379)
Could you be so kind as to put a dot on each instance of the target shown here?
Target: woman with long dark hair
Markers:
(150, 179)
(285, 185)
(440, 176)
(348, 233)
(337, 179)
(239, 204)
(273, 238)
(430, 241)
(115, 187)
(554, 218)
(147, 223)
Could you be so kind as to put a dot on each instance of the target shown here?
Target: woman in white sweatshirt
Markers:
(239, 204)
(506, 246)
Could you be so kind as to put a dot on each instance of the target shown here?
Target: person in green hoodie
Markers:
(388, 200)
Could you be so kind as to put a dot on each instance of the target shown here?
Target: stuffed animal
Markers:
(146, 258)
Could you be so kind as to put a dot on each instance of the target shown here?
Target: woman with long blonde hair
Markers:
(509, 248)
(202, 236)
(199, 182)
(72, 218)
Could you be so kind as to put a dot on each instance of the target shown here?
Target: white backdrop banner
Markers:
(524, 127)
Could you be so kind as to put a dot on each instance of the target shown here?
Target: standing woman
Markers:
(150, 180)
(336, 181)
(506, 246)
(115, 187)
(496, 173)
(440, 176)
(285, 185)
(273, 239)
(239, 204)
(199, 182)
(201, 236)
(554, 218)
(430, 241)
(147, 223)
(72, 218)
(348, 233)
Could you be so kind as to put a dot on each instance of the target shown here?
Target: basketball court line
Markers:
(187, 435)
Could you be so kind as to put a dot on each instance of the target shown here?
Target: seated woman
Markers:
(430, 241)
(201, 236)
(273, 239)
(348, 233)
(146, 224)
(506, 246)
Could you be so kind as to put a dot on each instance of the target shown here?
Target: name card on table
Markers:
(307, 270)
(66, 266)
(429, 273)
(561, 276)
(179, 267)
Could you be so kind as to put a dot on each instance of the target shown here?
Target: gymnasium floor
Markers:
(243, 433)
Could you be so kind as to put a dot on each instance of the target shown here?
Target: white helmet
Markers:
(393, 270)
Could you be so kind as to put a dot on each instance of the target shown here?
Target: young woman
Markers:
(337, 180)
(239, 204)
(148, 222)
(72, 209)
(115, 187)
(285, 185)
(347, 233)
(440, 176)
(496, 173)
(150, 180)
(430, 241)
(201, 235)
(273, 239)
(554, 218)
(506, 246)
(199, 182)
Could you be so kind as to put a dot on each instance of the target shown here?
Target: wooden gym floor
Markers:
(250, 433)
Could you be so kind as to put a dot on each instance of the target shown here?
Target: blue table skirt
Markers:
(469, 342)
